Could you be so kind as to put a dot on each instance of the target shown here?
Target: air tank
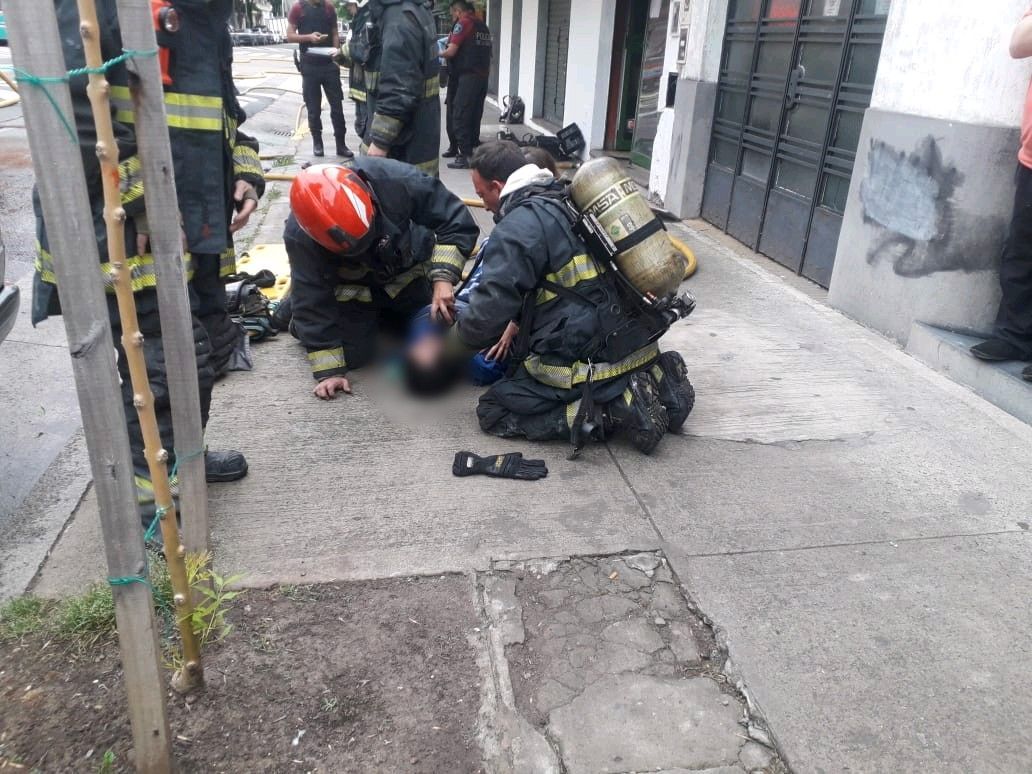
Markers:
(601, 188)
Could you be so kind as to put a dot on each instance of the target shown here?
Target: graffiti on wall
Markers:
(909, 197)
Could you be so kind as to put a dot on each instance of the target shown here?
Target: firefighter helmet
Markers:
(334, 206)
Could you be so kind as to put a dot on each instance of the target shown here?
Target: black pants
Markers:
(521, 406)
(223, 334)
(470, 93)
(1014, 319)
(157, 374)
(315, 79)
(449, 120)
(361, 320)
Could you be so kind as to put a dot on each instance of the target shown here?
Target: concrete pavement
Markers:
(854, 525)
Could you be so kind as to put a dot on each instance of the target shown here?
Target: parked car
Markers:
(8, 298)
(3, 30)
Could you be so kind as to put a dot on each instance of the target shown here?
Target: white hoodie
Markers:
(527, 175)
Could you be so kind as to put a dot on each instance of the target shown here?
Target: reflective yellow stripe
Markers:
(579, 269)
(141, 270)
(372, 79)
(227, 262)
(567, 377)
(403, 280)
(449, 255)
(247, 162)
(431, 87)
(571, 413)
(359, 95)
(184, 111)
(385, 129)
(360, 293)
(130, 179)
(326, 359)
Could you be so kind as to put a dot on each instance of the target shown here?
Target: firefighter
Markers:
(398, 48)
(378, 239)
(314, 23)
(469, 64)
(585, 367)
(203, 118)
(356, 70)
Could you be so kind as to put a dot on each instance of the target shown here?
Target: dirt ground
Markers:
(354, 677)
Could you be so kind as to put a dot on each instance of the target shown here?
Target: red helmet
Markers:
(334, 206)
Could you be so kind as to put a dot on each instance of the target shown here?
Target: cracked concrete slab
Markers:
(609, 683)
(662, 723)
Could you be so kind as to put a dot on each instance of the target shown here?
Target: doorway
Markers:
(796, 78)
(625, 73)
(556, 48)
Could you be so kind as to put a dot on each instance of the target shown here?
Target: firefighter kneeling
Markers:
(378, 239)
(587, 367)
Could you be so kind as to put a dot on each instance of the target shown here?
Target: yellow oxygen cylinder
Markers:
(602, 189)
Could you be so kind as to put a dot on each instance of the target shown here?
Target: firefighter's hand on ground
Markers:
(246, 199)
(500, 351)
(442, 308)
(376, 150)
(327, 389)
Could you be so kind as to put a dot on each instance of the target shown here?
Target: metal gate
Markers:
(796, 77)
(494, 23)
(556, 49)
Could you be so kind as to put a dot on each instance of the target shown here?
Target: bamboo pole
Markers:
(159, 185)
(192, 674)
(36, 48)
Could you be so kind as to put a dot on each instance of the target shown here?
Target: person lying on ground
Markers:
(586, 368)
(376, 241)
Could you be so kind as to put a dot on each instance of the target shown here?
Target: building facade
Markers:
(869, 145)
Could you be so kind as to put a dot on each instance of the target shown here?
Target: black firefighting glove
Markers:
(500, 466)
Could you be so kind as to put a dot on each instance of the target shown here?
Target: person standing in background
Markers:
(469, 62)
(314, 23)
(356, 62)
(1012, 334)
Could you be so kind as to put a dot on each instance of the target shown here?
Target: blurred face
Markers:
(456, 12)
(490, 191)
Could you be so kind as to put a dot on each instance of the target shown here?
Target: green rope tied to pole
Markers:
(42, 82)
(160, 512)
(129, 580)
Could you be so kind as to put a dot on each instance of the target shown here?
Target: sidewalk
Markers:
(853, 523)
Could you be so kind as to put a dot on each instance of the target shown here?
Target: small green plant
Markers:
(330, 704)
(107, 763)
(21, 616)
(211, 603)
(273, 193)
(87, 619)
(283, 161)
(298, 593)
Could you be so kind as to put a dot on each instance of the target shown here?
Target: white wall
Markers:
(928, 68)
(588, 66)
(505, 48)
(705, 40)
(528, 52)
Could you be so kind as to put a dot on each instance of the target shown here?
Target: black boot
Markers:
(675, 391)
(997, 350)
(639, 414)
(317, 146)
(450, 153)
(460, 163)
(220, 467)
(343, 151)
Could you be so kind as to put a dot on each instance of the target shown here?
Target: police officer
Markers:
(314, 23)
(379, 239)
(398, 49)
(469, 63)
(218, 180)
(586, 368)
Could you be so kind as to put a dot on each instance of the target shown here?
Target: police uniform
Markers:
(470, 69)
(571, 344)
(423, 233)
(203, 119)
(320, 74)
(399, 49)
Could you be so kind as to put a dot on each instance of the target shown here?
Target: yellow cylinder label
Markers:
(618, 224)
